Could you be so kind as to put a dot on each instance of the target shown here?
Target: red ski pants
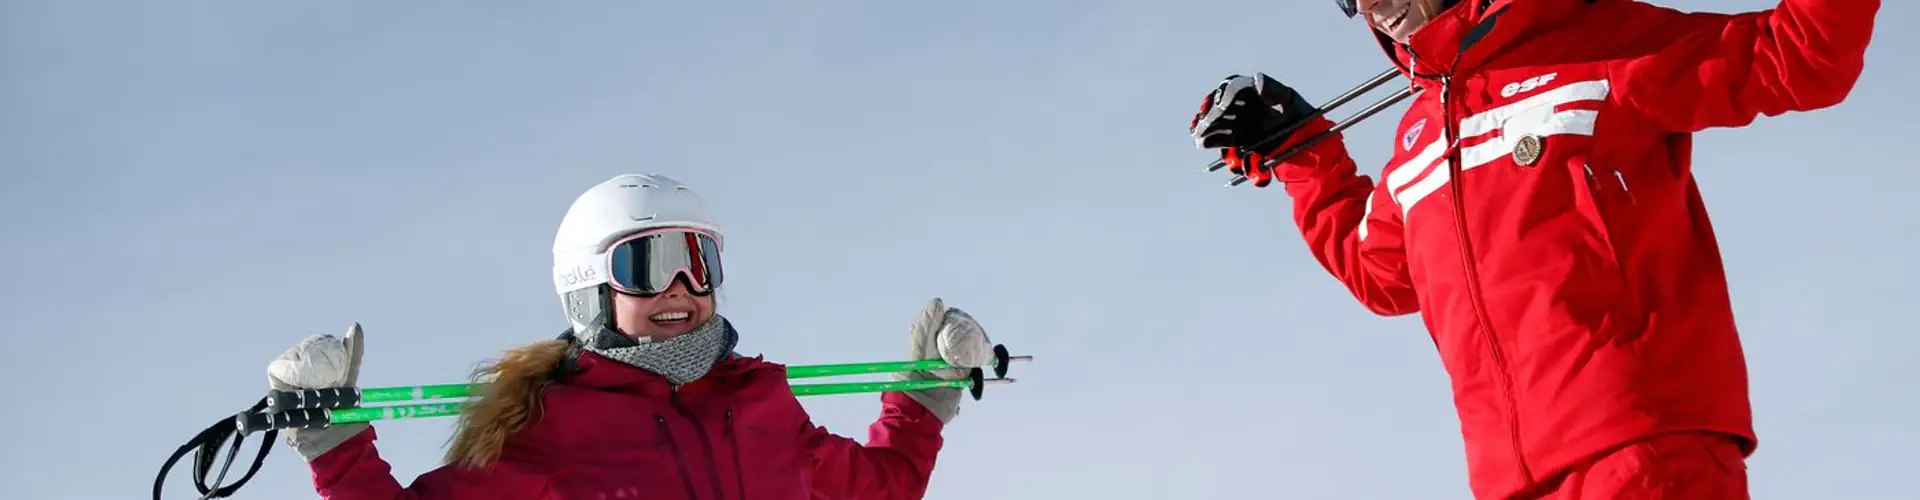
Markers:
(1683, 465)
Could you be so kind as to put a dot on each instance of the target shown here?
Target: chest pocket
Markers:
(764, 437)
(604, 456)
(1550, 137)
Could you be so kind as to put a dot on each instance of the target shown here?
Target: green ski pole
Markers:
(812, 371)
(345, 397)
(322, 417)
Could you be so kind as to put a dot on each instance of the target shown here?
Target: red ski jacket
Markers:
(1540, 212)
(614, 431)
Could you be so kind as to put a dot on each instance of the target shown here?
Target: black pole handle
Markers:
(338, 397)
(310, 418)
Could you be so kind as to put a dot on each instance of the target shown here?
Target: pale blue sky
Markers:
(190, 187)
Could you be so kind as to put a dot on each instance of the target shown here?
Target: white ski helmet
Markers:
(605, 213)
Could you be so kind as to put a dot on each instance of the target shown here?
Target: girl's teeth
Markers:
(670, 316)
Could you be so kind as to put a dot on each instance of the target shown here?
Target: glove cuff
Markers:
(312, 443)
(943, 403)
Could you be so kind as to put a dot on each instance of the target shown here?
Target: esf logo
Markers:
(577, 276)
(1526, 85)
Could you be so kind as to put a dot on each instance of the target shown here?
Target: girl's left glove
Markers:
(948, 334)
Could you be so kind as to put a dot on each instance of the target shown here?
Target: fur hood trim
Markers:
(515, 385)
(510, 399)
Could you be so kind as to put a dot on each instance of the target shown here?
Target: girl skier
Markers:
(643, 396)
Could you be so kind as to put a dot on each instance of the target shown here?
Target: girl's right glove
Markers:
(319, 362)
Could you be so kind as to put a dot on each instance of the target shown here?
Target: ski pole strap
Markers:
(205, 445)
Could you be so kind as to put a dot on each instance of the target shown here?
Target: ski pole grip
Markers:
(338, 397)
(311, 418)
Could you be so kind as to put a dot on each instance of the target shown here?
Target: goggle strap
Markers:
(582, 273)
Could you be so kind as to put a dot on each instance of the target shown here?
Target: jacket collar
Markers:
(1473, 32)
(598, 372)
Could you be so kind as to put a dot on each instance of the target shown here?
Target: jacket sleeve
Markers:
(1724, 70)
(895, 464)
(1350, 224)
(354, 471)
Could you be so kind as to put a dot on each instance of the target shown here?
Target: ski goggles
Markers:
(1348, 7)
(646, 263)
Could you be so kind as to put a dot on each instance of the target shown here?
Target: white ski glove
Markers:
(952, 335)
(319, 362)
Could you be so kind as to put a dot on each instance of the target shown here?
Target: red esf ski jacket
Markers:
(1540, 212)
(609, 430)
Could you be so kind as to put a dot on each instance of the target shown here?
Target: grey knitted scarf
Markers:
(680, 359)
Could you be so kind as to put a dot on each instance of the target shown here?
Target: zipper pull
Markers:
(661, 423)
(1624, 189)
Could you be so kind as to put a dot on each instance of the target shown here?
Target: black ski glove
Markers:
(1241, 116)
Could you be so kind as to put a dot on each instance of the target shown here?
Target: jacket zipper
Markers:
(739, 471)
(1473, 276)
(706, 444)
(686, 479)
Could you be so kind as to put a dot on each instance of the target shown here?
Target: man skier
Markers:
(1540, 212)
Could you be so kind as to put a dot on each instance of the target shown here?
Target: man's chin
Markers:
(1403, 33)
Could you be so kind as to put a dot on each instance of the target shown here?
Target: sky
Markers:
(188, 188)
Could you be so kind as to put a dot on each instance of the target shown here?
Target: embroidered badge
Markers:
(1527, 150)
(1413, 132)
